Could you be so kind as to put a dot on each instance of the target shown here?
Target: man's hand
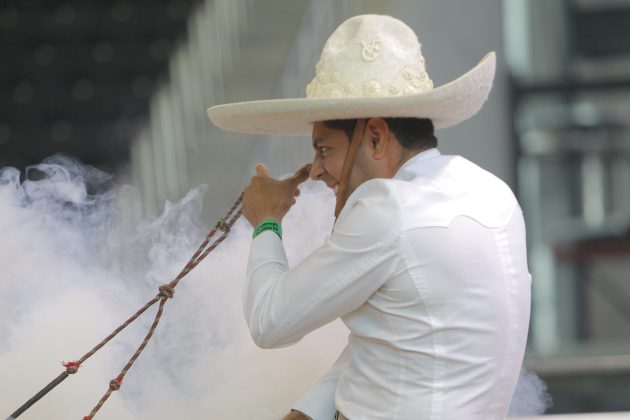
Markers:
(267, 198)
(296, 415)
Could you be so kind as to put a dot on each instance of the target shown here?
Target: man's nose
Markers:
(317, 170)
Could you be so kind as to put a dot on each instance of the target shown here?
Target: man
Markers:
(426, 264)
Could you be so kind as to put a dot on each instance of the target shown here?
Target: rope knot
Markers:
(223, 225)
(71, 367)
(114, 384)
(166, 291)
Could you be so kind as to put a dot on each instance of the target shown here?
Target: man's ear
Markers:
(378, 135)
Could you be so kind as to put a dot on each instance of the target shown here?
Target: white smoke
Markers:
(77, 261)
(75, 265)
(531, 397)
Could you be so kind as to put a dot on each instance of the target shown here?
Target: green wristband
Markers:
(268, 225)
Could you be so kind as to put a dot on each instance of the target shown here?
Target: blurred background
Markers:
(124, 85)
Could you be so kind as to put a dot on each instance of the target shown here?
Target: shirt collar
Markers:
(406, 171)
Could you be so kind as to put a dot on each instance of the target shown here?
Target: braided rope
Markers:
(165, 293)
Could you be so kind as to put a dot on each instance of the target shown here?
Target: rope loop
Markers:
(166, 291)
(71, 367)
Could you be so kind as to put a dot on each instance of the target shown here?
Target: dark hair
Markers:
(411, 133)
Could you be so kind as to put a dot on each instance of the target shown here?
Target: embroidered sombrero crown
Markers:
(371, 66)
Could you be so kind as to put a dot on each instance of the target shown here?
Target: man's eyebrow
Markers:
(316, 142)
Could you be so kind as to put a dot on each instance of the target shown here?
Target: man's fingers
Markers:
(261, 170)
(301, 175)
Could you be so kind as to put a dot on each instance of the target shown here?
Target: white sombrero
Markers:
(371, 66)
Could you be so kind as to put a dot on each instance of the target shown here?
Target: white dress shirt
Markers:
(429, 272)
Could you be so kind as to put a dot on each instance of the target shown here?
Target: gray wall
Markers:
(455, 35)
(280, 50)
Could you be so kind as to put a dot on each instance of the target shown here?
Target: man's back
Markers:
(444, 336)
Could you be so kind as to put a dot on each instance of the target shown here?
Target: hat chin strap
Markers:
(348, 163)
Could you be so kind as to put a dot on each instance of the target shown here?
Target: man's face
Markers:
(330, 146)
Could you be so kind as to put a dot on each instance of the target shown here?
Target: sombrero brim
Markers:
(446, 106)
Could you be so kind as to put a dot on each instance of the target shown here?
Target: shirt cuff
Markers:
(319, 401)
(266, 247)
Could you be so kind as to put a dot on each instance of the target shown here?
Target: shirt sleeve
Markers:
(319, 400)
(281, 305)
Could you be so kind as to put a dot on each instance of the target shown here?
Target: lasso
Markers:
(166, 292)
